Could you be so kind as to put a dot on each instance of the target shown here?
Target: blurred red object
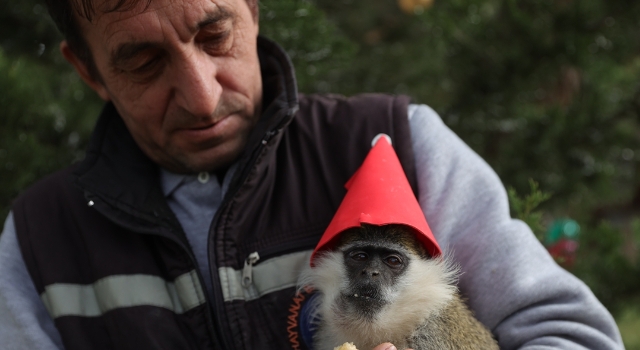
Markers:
(564, 252)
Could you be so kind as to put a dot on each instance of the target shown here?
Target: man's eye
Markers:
(147, 71)
(218, 43)
(147, 66)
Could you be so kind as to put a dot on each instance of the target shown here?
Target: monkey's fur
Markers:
(369, 302)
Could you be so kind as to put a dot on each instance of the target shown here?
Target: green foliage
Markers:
(322, 62)
(47, 111)
(635, 228)
(47, 115)
(612, 276)
(524, 208)
(26, 30)
(629, 323)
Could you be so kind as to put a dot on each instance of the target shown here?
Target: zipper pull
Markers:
(247, 276)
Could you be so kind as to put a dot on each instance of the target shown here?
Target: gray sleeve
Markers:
(512, 284)
(24, 321)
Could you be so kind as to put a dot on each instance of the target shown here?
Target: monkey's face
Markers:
(373, 270)
(376, 285)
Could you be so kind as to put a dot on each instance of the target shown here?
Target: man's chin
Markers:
(211, 160)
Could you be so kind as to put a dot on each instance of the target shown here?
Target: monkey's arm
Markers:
(513, 285)
(454, 328)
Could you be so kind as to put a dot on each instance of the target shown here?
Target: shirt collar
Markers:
(170, 181)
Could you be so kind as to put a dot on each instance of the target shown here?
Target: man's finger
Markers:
(385, 346)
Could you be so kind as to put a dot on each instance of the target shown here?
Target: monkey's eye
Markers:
(393, 261)
(358, 255)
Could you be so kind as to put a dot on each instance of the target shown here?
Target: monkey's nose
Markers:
(371, 272)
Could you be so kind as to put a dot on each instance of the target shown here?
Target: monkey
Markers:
(379, 284)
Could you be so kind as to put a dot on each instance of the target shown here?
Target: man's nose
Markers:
(197, 89)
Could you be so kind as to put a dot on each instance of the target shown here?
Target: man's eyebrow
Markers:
(219, 15)
(128, 51)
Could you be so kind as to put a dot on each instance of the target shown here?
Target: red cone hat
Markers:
(379, 194)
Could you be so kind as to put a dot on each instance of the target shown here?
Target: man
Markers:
(208, 181)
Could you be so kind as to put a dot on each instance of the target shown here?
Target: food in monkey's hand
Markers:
(346, 346)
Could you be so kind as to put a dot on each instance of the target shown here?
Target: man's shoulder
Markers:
(362, 100)
(55, 187)
(352, 111)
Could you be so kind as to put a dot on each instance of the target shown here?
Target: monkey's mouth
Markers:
(362, 303)
(364, 294)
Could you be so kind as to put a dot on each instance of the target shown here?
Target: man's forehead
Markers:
(141, 18)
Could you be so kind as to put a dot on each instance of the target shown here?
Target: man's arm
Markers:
(24, 321)
(512, 284)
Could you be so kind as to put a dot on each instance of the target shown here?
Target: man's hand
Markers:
(386, 346)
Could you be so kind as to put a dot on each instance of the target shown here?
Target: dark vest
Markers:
(112, 262)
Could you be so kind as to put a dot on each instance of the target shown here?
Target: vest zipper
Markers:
(218, 339)
(241, 176)
(247, 274)
(290, 247)
(218, 299)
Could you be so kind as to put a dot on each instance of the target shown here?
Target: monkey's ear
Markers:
(82, 69)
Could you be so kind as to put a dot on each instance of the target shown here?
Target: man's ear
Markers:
(83, 71)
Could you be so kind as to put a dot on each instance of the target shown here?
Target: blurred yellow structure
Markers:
(414, 6)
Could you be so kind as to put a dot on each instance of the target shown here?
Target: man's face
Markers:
(183, 74)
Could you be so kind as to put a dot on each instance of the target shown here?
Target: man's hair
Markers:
(65, 14)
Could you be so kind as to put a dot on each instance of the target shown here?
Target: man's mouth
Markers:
(206, 125)
(209, 129)
(199, 128)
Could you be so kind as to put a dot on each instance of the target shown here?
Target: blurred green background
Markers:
(547, 91)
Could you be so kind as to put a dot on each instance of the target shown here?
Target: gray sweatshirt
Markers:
(512, 284)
